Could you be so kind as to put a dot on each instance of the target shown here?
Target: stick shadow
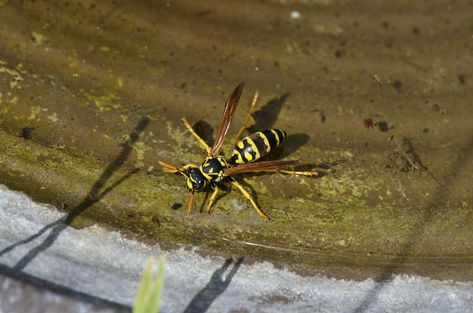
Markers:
(445, 186)
(64, 291)
(96, 193)
(214, 288)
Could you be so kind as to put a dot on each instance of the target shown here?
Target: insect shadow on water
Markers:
(96, 193)
(291, 145)
(266, 117)
(268, 114)
(206, 198)
(214, 288)
(205, 131)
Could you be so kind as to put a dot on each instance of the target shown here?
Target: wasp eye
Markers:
(198, 185)
(195, 180)
(190, 186)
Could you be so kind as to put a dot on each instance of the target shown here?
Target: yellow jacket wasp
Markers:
(216, 169)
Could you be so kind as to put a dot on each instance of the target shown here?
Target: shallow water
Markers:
(374, 95)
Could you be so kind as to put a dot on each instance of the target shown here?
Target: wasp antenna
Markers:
(181, 172)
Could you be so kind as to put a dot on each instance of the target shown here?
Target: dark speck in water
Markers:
(26, 132)
(397, 84)
(176, 206)
(204, 12)
(382, 126)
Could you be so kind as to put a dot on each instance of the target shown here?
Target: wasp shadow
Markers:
(266, 117)
(96, 193)
(204, 201)
(214, 288)
(268, 114)
(291, 144)
(205, 131)
(445, 186)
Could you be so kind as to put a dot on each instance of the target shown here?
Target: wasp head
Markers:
(195, 179)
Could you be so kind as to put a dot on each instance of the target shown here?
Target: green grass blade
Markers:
(145, 282)
(149, 291)
(157, 288)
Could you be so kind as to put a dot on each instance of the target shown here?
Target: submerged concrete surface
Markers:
(376, 95)
(107, 266)
(18, 296)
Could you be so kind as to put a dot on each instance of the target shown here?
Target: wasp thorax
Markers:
(195, 179)
(212, 168)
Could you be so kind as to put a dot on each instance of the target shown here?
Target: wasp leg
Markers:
(249, 197)
(189, 202)
(201, 141)
(212, 200)
(247, 120)
(305, 173)
(185, 167)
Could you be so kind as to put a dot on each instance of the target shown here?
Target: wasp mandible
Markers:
(216, 169)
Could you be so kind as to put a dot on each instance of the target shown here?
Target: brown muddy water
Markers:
(375, 95)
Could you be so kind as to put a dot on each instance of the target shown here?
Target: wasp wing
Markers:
(227, 117)
(257, 167)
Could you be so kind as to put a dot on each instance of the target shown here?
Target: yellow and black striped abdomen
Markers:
(257, 145)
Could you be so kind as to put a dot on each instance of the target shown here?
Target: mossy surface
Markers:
(91, 96)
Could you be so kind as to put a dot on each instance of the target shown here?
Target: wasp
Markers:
(216, 169)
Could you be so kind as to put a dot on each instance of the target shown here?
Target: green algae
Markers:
(15, 76)
(38, 38)
(104, 102)
(141, 205)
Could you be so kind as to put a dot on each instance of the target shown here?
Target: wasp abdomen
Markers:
(257, 145)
